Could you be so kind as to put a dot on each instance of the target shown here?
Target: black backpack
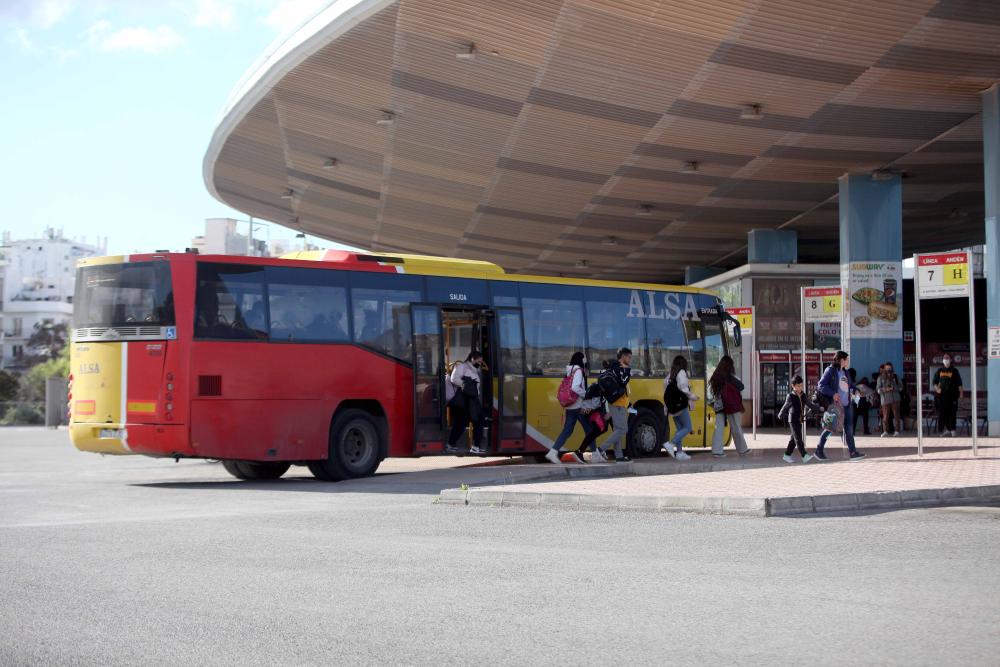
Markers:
(611, 387)
(674, 399)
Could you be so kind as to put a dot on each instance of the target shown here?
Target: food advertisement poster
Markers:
(874, 301)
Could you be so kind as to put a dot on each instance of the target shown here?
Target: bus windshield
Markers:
(122, 295)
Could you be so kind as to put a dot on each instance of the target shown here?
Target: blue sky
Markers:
(109, 106)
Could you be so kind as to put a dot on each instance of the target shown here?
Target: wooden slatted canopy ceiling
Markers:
(578, 120)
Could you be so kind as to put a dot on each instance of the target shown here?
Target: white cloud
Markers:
(63, 55)
(21, 38)
(101, 37)
(290, 14)
(50, 12)
(213, 13)
(36, 13)
(26, 44)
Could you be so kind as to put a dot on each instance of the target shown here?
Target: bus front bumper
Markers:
(148, 439)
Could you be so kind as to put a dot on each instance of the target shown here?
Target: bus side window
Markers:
(381, 304)
(610, 327)
(307, 305)
(553, 331)
(226, 296)
(665, 339)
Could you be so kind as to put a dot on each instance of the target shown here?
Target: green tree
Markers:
(31, 388)
(8, 386)
(47, 340)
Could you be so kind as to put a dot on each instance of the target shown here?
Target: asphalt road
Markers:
(141, 561)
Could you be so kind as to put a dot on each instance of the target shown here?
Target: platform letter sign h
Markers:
(941, 276)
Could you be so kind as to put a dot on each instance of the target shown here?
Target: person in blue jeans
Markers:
(836, 387)
(681, 412)
(576, 370)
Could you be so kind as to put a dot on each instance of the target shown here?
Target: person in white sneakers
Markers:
(677, 401)
(794, 411)
(576, 378)
(948, 391)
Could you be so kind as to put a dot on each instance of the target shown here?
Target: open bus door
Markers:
(508, 365)
(429, 421)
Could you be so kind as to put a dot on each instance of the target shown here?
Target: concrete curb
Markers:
(516, 474)
(777, 506)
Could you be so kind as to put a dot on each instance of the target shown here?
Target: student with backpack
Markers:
(794, 412)
(593, 408)
(728, 404)
(677, 400)
(835, 387)
(466, 403)
(572, 391)
(614, 386)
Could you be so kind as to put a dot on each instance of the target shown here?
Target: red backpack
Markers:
(566, 395)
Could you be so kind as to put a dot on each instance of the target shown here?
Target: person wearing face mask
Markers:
(576, 378)
(889, 389)
(948, 392)
(468, 380)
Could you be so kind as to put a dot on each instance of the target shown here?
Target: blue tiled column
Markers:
(772, 246)
(694, 274)
(871, 230)
(991, 160)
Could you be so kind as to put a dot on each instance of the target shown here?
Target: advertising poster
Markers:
(873, 299)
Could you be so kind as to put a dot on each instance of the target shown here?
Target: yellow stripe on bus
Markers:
(141, 406)
(101, 261)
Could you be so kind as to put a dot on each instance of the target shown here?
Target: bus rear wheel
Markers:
(251, 470)
(355, 448)
(644, 434)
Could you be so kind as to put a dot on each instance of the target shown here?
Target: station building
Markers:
(656, 141)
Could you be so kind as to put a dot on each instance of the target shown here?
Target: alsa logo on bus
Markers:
(91, 368)
(669, 309)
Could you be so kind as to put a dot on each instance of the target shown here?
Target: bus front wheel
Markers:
(355, 448)
(251, 470)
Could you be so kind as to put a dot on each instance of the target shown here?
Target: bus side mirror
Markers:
(737, 331)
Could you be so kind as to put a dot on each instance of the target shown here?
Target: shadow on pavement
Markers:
(405, 483)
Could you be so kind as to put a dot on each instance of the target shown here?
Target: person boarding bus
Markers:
(677, 401)
(571, 393)
(466, 404)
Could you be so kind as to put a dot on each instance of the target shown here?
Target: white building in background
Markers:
(38, 276)
(223, 237)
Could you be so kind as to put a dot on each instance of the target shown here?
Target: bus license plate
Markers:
(112, 433)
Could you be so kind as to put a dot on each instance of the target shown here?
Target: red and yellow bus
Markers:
(336, 360)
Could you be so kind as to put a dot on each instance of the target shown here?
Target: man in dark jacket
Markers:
(836, 386)
(948, 391)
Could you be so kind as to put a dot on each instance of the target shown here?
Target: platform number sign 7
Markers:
(943, 275)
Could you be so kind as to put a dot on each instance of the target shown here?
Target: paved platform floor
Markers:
(125, 561)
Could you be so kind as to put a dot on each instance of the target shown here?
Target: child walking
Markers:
(794, 410)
